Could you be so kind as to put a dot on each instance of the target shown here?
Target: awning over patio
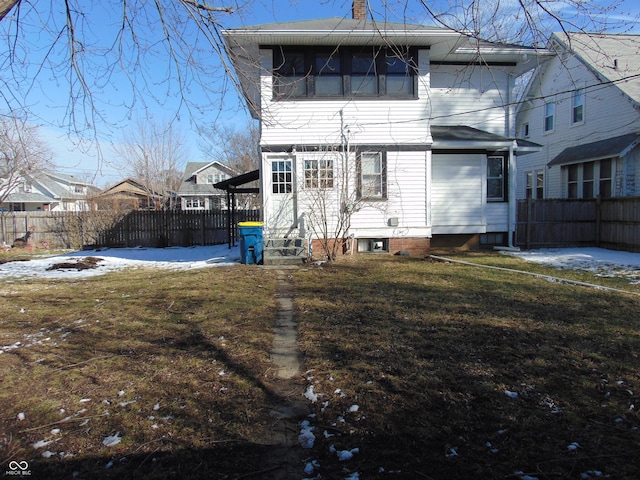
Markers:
(233, 186)
(611, 147)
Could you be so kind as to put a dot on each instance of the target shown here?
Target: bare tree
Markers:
(235, 147)
(155, 155)
(21, 153)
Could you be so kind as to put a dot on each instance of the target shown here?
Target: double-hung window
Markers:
(318, 173)
(535, 184)
(327, 74)
(577, 115)
(372, 178)
(496, 179)
(549, 116)
(590, 179)
(291, 78)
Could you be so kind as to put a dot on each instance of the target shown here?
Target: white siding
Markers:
(323, 122)
(458, 194)
(406, 200)
(473, 96)
(607, 113)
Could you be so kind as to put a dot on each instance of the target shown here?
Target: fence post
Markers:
(528, 224)
(598, 219)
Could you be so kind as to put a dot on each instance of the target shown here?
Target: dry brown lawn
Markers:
(427, 369)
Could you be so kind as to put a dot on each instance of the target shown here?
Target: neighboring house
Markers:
(48, 191)
(414, 125)
(127, 194)
(197, 191)
(583, 105)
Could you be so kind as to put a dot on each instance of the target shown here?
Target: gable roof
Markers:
(190, 187)
(193, 168)
(612, 58)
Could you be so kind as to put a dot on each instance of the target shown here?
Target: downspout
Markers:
(512, 194)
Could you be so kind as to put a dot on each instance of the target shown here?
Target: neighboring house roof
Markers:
(27, 197)
(128, 186)
(611, 147)
(54, 184)
(613, 58)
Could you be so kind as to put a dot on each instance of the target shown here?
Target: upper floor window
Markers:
(372, 175)
(549, 116)
(496, 178)
(210, 178)
(577, 115)
(525, 130)
(78, 189)
(349, 71)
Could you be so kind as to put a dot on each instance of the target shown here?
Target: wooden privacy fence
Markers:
(603, 222)
(124, 229)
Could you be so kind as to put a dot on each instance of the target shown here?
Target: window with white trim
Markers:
(549, 116)
(318, 173)
(282, 176)
(496, 178)
(372, 181)
(577, 111)
(194, 203)
(534, 181)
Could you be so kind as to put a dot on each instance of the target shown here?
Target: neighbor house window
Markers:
(549, 116)
(535, 184)
(525, 130)
(78, 189)
(590, 179)
(318, 173)
(496, 178)
(348, 71)
(606, 177)
(578, 106)
(194, 204)
(372, 175)
(210, 178)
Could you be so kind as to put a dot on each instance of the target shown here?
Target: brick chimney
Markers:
(358, 10)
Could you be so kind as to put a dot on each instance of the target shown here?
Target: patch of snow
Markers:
(573, 446)
(310, 394)
(511, 394)
(116, 259)
(21, 416)
(344, 455)
(112, 440)
(306, 437)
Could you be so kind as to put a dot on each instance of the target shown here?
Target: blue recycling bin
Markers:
(251, 242)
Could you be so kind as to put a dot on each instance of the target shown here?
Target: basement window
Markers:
(373, 245)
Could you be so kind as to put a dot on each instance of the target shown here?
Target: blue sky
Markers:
(156, 94)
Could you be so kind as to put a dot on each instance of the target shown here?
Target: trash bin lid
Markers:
(250, 224)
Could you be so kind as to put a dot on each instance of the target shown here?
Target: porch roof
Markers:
(611, 147)
(461, 136)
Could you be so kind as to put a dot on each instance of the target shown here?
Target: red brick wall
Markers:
(416, 247)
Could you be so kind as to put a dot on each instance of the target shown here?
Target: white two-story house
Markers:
(583, 106)
(45, 191)
(398, 136)
(197, 192)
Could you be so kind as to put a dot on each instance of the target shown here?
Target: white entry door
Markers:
(283, 211)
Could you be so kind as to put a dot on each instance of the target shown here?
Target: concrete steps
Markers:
(284, 251)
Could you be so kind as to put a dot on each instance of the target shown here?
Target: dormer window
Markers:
(348, 72)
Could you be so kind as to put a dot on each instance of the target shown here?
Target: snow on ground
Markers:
(600, 261)
(114, 259)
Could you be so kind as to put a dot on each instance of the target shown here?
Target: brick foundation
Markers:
(415, 247)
